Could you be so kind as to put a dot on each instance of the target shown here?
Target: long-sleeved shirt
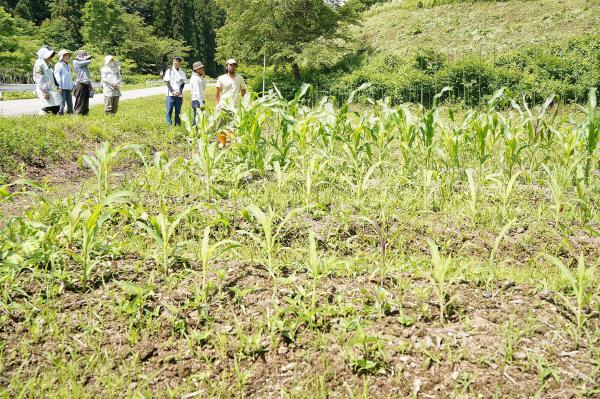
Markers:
(197, 86)
(82, 71)
(111, 80)
(62, 74)
(43, 76)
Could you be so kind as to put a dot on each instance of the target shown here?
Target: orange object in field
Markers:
(222, 137)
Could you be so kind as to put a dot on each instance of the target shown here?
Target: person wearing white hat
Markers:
(62, 74)
(45, 86)
(197, 87)
(111, 84)
(230, 88)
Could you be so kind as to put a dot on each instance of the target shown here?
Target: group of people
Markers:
(55, 87)
(230, 88)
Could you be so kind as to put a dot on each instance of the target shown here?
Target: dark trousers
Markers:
(174, 103)
(66, 106)
(82, 98)
(51, 110)
(197, 108)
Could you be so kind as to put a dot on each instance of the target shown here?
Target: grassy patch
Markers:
(326, 252)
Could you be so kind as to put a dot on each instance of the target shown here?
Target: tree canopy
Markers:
(279, 29)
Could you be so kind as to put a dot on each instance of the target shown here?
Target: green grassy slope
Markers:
(478, 27)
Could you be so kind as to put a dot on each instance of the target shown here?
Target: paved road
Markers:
(32, 106)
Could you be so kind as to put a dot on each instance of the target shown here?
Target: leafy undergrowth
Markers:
(50, 146)
(388, 252)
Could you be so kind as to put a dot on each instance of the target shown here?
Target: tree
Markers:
(162, 18)
(52, 32)
(102, 25)
(279, 29)
(17, 48)
(32, 10)
(144, 8)
(69, 13)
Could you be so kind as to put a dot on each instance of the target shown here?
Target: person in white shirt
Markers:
(175, 79)
(231, 87)
(45, 86)
(197, 86)
(111, 84)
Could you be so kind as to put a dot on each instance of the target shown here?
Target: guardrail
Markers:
(10, 87)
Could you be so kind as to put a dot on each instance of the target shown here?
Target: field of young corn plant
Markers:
(341, 250)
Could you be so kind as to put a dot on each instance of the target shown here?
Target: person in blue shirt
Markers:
(62, 74)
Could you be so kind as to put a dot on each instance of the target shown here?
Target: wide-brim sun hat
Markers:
(197, 65)
(62, 53)
(231, 61)
(45, 52)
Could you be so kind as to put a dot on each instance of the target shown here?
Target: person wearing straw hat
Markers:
(197, 87)
(175, 80)
(82, 89)
(45, 86)
(62, 74)
(111, 85)
(230, 88)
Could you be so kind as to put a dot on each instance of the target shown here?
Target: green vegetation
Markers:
(327, 251)
(410, 53)
(142, 34)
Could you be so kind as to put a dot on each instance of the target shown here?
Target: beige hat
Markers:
(108, 59)
(197, 65)
(62, 53)
(231, 61)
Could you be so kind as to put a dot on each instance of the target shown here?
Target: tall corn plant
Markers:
(591, 130)
(208, 158)
(429, 122)
(101, 163)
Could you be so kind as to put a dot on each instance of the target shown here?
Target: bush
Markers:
(568, 70)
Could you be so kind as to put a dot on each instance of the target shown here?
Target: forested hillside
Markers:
(144, 33)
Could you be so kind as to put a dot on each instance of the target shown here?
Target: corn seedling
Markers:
(88, 219)
(441, 276)
(315, 266)
(583, 284)
(101, 163)
(268, 235)
(161, 228)
(209, 252)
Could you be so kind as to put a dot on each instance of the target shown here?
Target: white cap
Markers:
(108, 59)
(231, 61)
